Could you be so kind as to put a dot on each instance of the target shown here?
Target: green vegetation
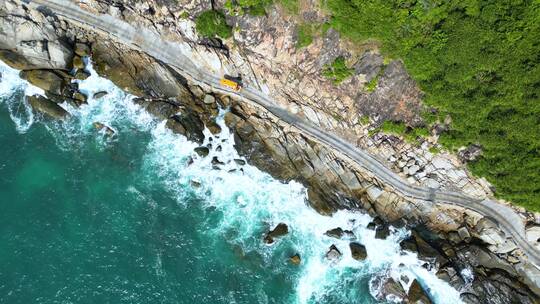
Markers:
(372, 84)
(305, 35)
(258, 7)
(398, 128)
(337, 70)
(434, 150)
(364, 120)
(290, 6)
(184, 15)
(252, 7)
(212, 23)
(478, 62)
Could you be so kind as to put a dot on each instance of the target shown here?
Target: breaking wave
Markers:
(250, 201)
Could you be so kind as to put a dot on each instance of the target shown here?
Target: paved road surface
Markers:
(170, 53)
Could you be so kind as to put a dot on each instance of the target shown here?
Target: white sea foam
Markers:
(250, 198)
(19, 109)
(252, 202)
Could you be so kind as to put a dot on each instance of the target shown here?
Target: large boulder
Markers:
(382, 232)
(280, 230)
(358, 251)
(161, 108)
(338, 233)
(388, 290)
(415, 243)
(333, 253)
(137, 73)
(189, 125)
(32, 45)
(417, 295)
(202, 151)
(48, 80)
(103, 128)
(48, 107)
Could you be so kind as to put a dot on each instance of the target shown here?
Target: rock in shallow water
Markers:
(46, 106)
(47, 80)
(202, 151)
(338, 233)
(239, 162)
(417, 294)
(382, 232)
(102, 127)
(100, 94)
(358, 251)
(280, 230)
(333, 253)
(295, 259)
(389, 290)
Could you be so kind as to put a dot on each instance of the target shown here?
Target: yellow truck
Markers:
(234, 83)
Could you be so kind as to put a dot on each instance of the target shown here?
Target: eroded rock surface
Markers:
(266, 55)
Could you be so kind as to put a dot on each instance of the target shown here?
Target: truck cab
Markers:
(232, 82)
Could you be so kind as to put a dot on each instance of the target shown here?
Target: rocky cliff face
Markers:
(49, 51)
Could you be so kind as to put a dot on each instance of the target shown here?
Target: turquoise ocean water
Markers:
(86, 218)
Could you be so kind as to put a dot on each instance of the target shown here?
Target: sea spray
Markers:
(242, 202)
(13, 90)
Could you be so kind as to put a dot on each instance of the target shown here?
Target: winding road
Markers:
(172, 54)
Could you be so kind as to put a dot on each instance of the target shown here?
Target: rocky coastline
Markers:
(470, 252)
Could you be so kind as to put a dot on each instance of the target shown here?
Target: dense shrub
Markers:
(478, 62)
(337, 70)
(212, 23)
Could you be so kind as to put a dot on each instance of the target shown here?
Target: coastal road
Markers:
(172, 54)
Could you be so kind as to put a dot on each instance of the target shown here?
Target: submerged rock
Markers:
(46, 106)
(358, 251)
(333, 253)
(280, 230)
(295, 259)
(102, 127)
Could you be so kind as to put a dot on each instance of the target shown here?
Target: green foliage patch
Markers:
(399, 128)
(212, 23)
(478, 62)
(305, 35)
(290, 6)
(372, 84)
(337, 70)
